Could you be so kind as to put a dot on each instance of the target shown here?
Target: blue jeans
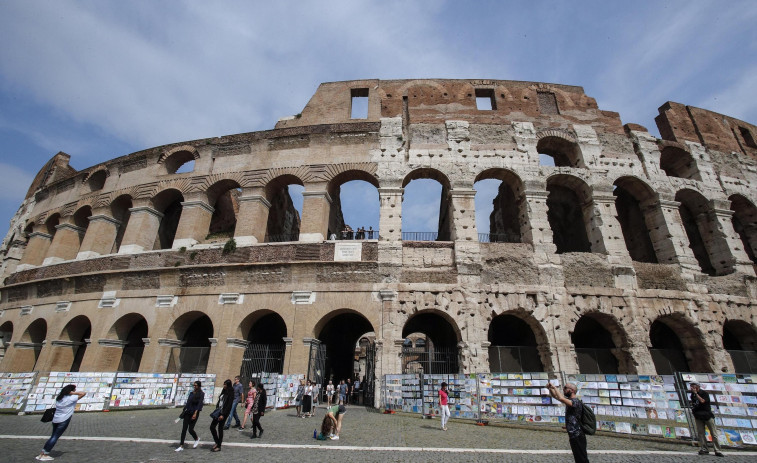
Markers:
(58, 430)
(233, 414)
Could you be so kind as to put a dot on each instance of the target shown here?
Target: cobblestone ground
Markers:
(367, 436)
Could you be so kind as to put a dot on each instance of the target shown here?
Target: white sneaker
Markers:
(44, 458)
(179, 448)
(197, 442)
(335, 438)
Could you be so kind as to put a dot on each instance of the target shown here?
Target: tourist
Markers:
(65, 404)
(298, 397)
(191, 412)
(443, 405)
(573, 412)
(329, 393)
(700, 408)
(248, 403)
(331, 425)
(307, 400)
(342, 392)
(223, 409)
(258, 410)
(238, 395)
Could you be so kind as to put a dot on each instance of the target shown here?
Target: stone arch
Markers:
(518, 342)
(601, 344)
(263, 326)
(740, 341)
(700, 228)
(677, 345)
(71, 344)
(562, 147)
(193, 330)
(677, 161)
(283, 218)
(51, 222)
(119, 209)
(95, 180)
(340, 330)
(30, 345)
(176, 157)
(427, 172)
(566, 205)
(167, 202)
(508, 217)
(635, 221)
(442, 334)
(81, 216)
(6, 334)
(337, 223)
(223, 197)
(445, 226)
(131, 328)
(745, 223)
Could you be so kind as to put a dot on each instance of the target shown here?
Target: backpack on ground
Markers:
(588, 420)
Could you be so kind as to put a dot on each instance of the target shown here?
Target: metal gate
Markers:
(262, 358)
(369, 382)
(437, 360)
(317, 362)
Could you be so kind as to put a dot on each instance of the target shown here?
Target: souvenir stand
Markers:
(14, 388)
(519, 397)
(97, 385)
(185, 385)
(143, 390)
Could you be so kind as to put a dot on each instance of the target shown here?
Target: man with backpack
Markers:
(574, 416)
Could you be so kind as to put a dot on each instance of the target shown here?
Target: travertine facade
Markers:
(629, 243)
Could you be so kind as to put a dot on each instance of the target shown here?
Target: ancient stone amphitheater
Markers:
(631, 254)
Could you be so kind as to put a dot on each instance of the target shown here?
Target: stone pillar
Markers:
(605, 234)
(194, 224)
(390, 214)
(36, 248)
(287, 355)
(228, 361)
(668, 236)
(724, 246)
(22, 357)
(141, 230)
(464, 232)
(63, 354)
(535, 227)
(252, 219)
(379, 374)
(107, 354)
(65, 244)
(474, 356)
(100, 236)
(316, 207)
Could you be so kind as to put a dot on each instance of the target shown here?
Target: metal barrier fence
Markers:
(596, 361)
(130, 359)
(420, 236)
(668, 361)
(188, 360)
(436, 360)
(514, 358)
(744, 360)
(262, 358)
(499, 238)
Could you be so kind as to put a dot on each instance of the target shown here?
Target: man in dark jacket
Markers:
(238, 397)
(191, 411)
(573, 412)
(700, 408)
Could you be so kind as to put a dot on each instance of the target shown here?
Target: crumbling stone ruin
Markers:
(630, 254)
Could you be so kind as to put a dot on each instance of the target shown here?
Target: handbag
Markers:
(48, 415)
(183, 414)
(216, 413)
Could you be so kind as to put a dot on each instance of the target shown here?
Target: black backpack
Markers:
(588, 420)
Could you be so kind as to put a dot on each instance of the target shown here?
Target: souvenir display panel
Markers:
(14, 387)
(143, 390)
(403, 393)
(734, 404)
(462, 391)
(519, 397)
(286, 390)
(185, 385)
(96, 385)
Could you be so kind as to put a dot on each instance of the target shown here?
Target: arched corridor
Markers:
(193, 330)
(513, 346)
(339, 334)
(441, 353)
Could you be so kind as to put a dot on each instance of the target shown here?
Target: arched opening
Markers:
(31, 345)
(595, 347)
(340, 335)
(179, 162)
(6, 333)
(223, 196)
(168, 202)
(50, 224)
(194, 331)
(131, 328)
(629, 193)
(565, 214)
(266, 349)
(440, 353)
(745, 224)
(285, 194)
(677, 162)
(677, 346)
(740, 340)
(96, 181)
(120, 210)
(565, 153)
(354, 210)
(426, 206)
(499, 206)
(513, 346)
(694, 212)
(75, 338)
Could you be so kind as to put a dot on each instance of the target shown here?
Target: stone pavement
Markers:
(367, 436)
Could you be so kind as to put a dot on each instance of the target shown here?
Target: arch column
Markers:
(36, 248)
(390, 213)
(535, 226)
(194, 223)
(287, 355)
(464, 233)
(316, 208)
(107, 353)
(100, 236)
(141, 230)
(606, 230)
(724, 244)
(668, 235)
(253, 217)
(22, 355)
(66, 242)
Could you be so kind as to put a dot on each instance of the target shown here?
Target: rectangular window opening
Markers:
(485, 99)
(748, 138)
(547, 103)
(359, 107)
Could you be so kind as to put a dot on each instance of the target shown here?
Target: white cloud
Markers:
(15, 183)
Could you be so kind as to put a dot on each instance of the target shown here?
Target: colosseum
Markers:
(609, 250)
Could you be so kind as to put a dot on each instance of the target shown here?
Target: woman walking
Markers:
(443, 405)
(329, 393)
(307, 400)
(258, 410)
(225, 400)
(248, 403)
(298, 398)
(191, 412)
(65, 404)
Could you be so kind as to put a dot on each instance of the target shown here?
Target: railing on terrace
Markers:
(431, 361)
(355, 235)
(514, 359)
(283, 238)
(499, 238)
(419, 236)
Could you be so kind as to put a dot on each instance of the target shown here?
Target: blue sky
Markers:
(100, 79)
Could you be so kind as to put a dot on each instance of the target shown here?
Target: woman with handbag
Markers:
(223, 408)
(307, 400)
(248, 403)
(258, 410)
(298, 398)
(65, 404)
(191, 411)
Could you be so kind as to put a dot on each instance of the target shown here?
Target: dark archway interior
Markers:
(120, 210)
(270, 329)
(667, 350)
(504, 221)
(283, 217)
(198, 333)
(340, 335)
(634, 227)
(566, 220)
(169, 224)
(594, 344)
(131, 356)
(436, 328)
(513, 346)
(81, 348)
(509, 330)
(730, 340)
(695, 239)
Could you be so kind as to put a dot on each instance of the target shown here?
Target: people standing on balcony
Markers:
(225, 400)
(444, 405)
(329, 393)
(702, 411)
(248, 403)
(191, 412)
(65, 404)
(238, 396)
(258, 410)
(370, 233)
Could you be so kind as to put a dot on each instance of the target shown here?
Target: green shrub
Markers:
(230, 246)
